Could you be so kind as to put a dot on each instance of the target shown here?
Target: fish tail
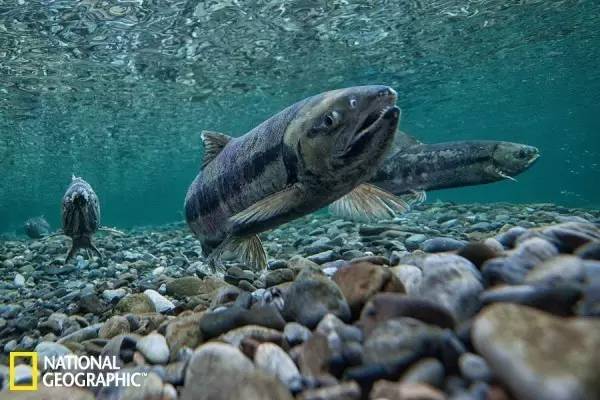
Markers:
(72, 251)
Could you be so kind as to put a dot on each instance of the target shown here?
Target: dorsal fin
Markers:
(213, 144)
(403, 140)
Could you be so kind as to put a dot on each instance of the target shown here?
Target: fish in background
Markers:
(36, 227)
(81, 218)
(296, 162)
(414, 167)
(417, 167)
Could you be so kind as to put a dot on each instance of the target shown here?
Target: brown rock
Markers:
(313, 356)
(385, 306)
(260, 334)
(343, 391)
(114, 326)
(183, 332)
(404, 391)
(478, 253)
(137, 303)
(362, 280)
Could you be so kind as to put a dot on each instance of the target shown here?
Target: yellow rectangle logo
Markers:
(12, 384)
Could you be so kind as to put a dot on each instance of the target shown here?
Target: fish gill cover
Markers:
(118, 91)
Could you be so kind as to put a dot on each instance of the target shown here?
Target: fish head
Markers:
(339, 130)
(80, 211)
(510, 159)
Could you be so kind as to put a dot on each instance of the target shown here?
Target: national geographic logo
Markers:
(72, 370)
(12, 376)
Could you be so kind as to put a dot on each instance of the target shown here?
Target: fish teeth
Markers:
(504, 175)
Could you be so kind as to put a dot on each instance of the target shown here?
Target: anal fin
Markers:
(368, 203)
(249, 249)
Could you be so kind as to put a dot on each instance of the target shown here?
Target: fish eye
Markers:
(353, 103)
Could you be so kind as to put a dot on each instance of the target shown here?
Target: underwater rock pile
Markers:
(492, 301)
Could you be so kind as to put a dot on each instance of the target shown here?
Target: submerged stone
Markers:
(538, 355)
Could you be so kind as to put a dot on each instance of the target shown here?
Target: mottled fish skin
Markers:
(292, 150)
(80, 215)
(452, 164)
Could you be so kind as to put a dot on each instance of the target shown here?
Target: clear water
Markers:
(118, 91)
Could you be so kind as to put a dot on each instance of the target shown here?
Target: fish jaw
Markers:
(510, 159)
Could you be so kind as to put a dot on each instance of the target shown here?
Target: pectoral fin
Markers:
(416, 197)
(368, 203)
(270, 207)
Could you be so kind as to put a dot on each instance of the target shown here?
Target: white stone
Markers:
(19, 280)
(154, 348)
(273, 360)
(161, 303)
(50, 350)
(110, 294)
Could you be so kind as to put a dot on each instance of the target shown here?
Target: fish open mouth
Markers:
(370, 125)
(371, 119)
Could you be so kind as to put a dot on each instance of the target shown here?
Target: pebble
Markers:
(404, 391)
(183, 332)
(216, 323)
(414, 241)
(219, 371)
(384, 306)
(558, 299)
(50, 350)
(343, 391)
(428, 370)
(112, 295)
(186, 286)
(410, 276)
(19, 280)
(399, 338)
(137, 303)
(114, 326)
(161, 303)
(311, 296)
(273, 360)
(323, 257)
(538, 355)
(256, 333)
(296, 333)
(441, 244)
(453, 282)
(154, 348)
(474, 368)
(361, 280)
(279, 276)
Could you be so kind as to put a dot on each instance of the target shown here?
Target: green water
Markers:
(118, 91)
